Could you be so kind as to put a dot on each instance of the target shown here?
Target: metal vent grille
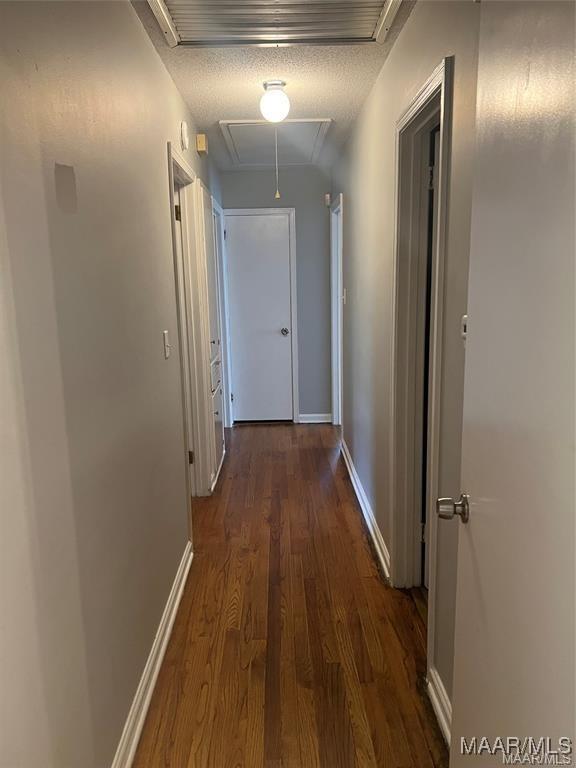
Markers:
(269, 22)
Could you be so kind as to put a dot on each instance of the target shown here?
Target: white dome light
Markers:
(274, 104)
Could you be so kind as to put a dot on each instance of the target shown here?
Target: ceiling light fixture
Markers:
(274, 104)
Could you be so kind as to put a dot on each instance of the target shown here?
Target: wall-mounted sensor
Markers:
(201, 143)
(184, 137)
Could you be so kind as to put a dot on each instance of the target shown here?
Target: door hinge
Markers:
(431, 177)
(224, 234)
(177, 213)
(190, 457)
(231, 397)
(423, 533)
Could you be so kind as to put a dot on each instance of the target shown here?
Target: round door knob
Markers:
(284, 331)
(447, 508)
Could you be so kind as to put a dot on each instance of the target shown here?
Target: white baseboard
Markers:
(137, 714)
(376, 535)
(440, 702)
(436, 691)
(315, 418)
(217, 475)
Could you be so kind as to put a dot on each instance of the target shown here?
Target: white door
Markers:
(260, 294)
(514, 644)
(212, 276)
(183, 330)
(223, 303)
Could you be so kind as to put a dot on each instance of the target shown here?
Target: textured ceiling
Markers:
(226, 83)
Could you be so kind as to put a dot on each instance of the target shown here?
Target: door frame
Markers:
(291, 213)
(405, 565)
(336, 306)
(220, 241)
(180, 172)
(191, 289)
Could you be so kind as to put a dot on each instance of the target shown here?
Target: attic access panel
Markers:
(251, 142)
(268, 23)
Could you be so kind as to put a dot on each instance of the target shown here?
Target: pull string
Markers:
(277, 195)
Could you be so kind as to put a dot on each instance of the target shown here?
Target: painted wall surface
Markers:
(513, 674)
(93, 507)
(366, 176)
(303, 189)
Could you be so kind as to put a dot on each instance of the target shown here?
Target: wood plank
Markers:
(289, 651)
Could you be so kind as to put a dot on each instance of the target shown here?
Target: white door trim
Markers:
(179, 171)
(336, 301)
(402, 439)
(291, 212)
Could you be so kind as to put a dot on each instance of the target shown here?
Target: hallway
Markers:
(288, 649)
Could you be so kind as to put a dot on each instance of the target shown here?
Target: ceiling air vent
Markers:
(266, 23)
(251, 142)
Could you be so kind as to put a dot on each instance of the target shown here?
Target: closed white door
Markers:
(183, 331)
(212, 276)
(514, 643)
(260, 293)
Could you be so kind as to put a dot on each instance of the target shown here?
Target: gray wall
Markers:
(366, 175)
(303, 189)
(93, 497)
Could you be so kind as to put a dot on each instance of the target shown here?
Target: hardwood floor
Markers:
(289, 651)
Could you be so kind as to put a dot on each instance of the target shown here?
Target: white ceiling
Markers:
(225, 83)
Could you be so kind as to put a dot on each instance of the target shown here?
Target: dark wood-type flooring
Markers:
(289, 651)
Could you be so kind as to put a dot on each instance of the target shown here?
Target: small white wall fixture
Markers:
(405, 568)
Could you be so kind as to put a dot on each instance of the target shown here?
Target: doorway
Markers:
(261, 283)
(423, 152)
(429, 183)
(181, 184)
(337, 302)
(416, 300)
(199, 314)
